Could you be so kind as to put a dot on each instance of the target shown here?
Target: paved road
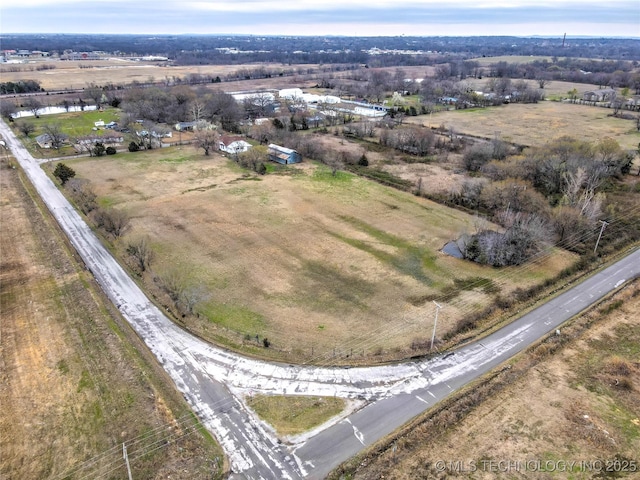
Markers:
(214, 381)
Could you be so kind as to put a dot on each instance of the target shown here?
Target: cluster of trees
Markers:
(321, 49)
(414, 140)
(605, 73)
(21, 86)
(552, 193)
(173, 105)
(112, 221)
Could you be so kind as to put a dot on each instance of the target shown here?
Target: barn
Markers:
(283, 155)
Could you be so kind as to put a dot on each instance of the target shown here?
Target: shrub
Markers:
(134, 147)
(98, 149)
(63, 173)
(111, 151)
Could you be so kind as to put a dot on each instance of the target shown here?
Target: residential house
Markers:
(283, 155)
(233, 145)
(45, 140)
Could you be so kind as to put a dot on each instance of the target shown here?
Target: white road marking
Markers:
(358, 434)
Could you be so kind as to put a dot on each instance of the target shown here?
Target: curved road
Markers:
(214, 381)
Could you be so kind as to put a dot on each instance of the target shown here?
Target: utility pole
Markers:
(435, 323)
(126, 459)
(604, 224)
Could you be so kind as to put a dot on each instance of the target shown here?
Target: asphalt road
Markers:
(215, 381)
(340, 442)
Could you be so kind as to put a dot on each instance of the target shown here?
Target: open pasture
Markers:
(536, 124)
(77, 75)
(321, 265)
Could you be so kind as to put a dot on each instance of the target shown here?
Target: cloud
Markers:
(325, 17)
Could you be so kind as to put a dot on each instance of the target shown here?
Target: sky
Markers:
(597, 18)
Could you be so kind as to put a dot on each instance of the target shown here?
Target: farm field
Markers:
(579, 404)
(536, 124)
(73, 385)
(80, 74)
(323, 266)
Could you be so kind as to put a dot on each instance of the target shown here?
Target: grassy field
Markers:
(536, 124)
(75, 124)
(295, 415)
(74, 385)
(580, 404)
(321, 265)
(80, 74)
(486, 61)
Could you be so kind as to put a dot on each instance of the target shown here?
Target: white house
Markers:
(233, 145)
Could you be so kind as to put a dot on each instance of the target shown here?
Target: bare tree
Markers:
(197, 110)
(33, 105)
(141, 252)
(26, 128)
(115, 222)
(7, 109)
(82, 194)
(193, 294)
(542, 82)
(95, 93)
(56, 137)
(207, 139)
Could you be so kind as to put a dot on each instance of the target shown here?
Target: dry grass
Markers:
(567, 407)
(290, 415)
(80, 74)
(316, 263)
(73, 388)
(536, 124)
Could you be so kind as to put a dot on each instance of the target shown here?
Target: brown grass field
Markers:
(536, 124)
(80, 74)
(317, 263)
(73, 387)
(580, 404)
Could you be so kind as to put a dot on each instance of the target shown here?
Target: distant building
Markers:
(185, 126)
(601, 95)
(283, 155)
(233, 145)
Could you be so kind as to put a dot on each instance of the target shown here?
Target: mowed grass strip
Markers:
(292, 415)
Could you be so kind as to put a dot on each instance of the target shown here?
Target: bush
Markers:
(115, 222)
(111, 151)
(63, 173)
(99, 149)
(134, 147)
(477, 156)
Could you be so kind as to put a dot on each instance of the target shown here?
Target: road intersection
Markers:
(215, 381)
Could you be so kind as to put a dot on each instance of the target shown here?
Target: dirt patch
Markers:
(73, 388)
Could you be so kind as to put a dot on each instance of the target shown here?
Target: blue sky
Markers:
(326, 17)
